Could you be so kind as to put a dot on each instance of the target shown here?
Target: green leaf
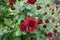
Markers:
(18, 33)
(7, 21)
(20, 19)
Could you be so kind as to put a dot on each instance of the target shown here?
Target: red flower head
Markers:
(10, 28)
(52, 9)
(57, 6)
(23, 27)
(53, 12)
(12, 7)
(54, 20)
(12, 1)
(31, 24)
(45, 34)
(31, 1)
(52, 38)
(48, 5)
(40, 21)
(47, 21)
(44, 26)
(55, 31)
(45, 13)
(50, 34)
(56, 26)
(38, 7)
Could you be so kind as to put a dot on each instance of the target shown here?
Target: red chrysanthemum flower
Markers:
(55, 31)
(45, 13)
(40, 21)
(45, 34)
(47, 21)
(52, 9)
(38, 7)
(50, 34)
(56, 26)
(54, 20)
(48, 5)
(53, 12)
(31, 1)
(44, 26)
(52, 38)
(32, 38)
(10, 28)
(12, 1)
(31, 24)
(23, 27)
(57, 6)
(12, 7)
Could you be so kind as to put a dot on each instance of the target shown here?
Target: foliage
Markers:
(10, 20)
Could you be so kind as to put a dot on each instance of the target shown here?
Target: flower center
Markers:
(31, 23)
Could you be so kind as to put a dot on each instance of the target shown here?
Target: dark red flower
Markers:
(56, 26)
(11, 28)
(45, 34)
(44, 26)
(23, 27)
(50, 34)
(38, 7)
(40, 21)
(31, 1)
(45, 13)
(31, 24)
(55, 31)
(53, 12)
(32, 38)
(57, 6)
(52, 38)
(54, 20)
(12, 7)
(47, 21)
(52, 9)
(12, 1)
(48, 5)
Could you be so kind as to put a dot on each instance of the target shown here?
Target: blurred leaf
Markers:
(7, 21)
